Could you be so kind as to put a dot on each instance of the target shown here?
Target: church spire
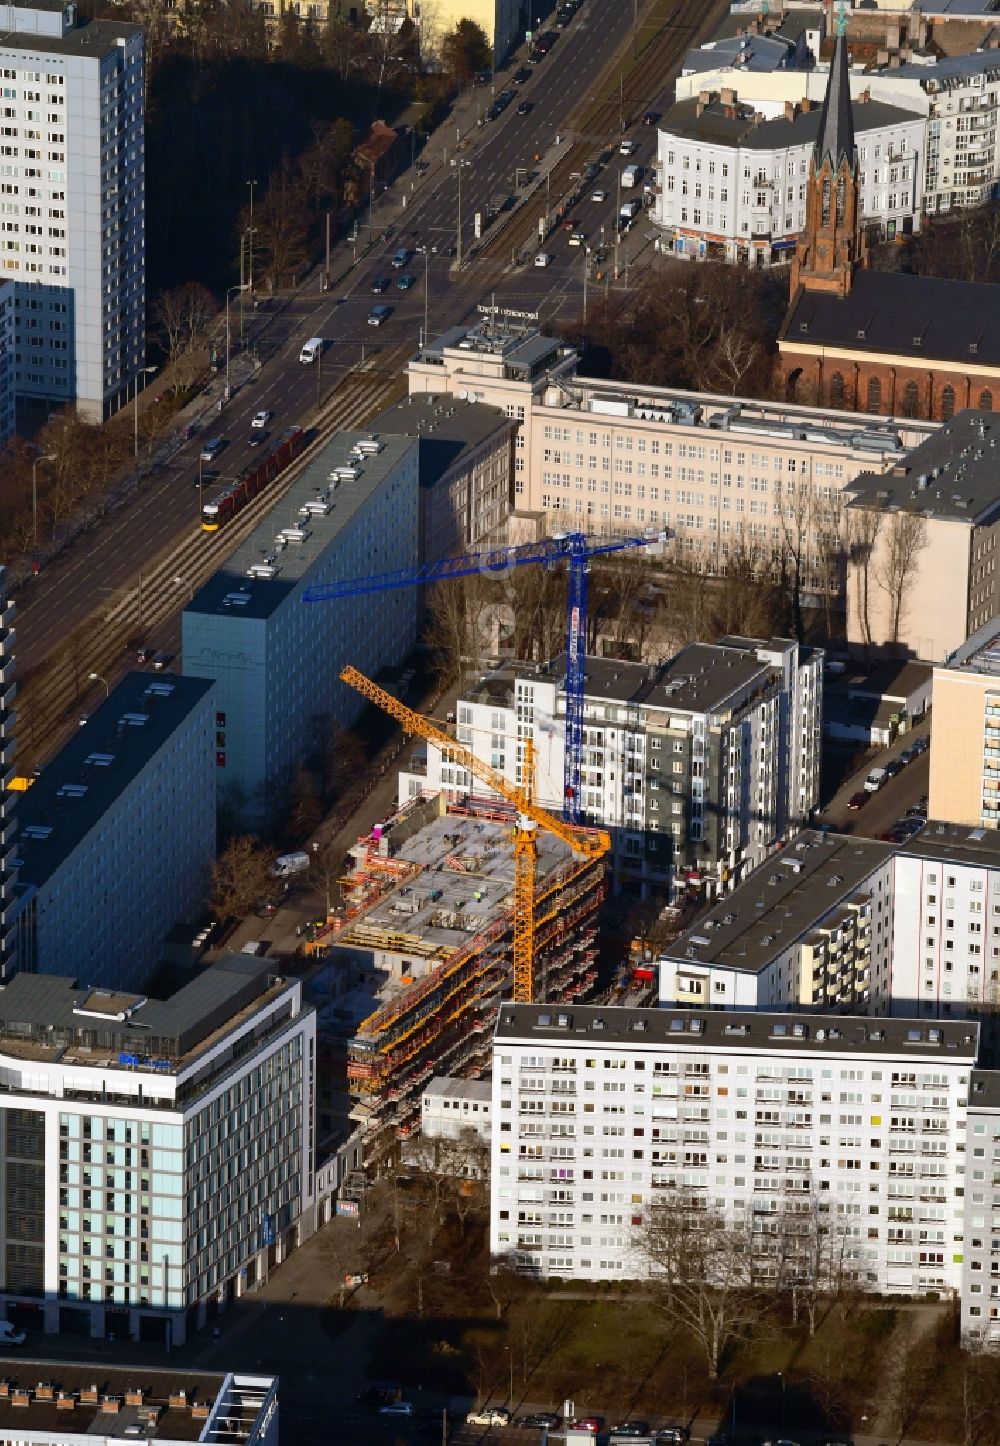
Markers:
(832, 242)
(836, 123)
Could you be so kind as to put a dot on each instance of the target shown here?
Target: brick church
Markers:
(870, 341)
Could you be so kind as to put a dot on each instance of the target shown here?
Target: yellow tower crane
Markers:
(591, 843)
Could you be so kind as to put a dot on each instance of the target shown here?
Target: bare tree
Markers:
(904, 536)
(181, 321)
(242, 876)
(283, 222)
(701, 1270)
(794, 506)
(863, 526)
(807, 1252)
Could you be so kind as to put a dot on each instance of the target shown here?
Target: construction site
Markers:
(421, 954)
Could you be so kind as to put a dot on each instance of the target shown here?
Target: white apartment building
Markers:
(600, 1112)
(810, 929)
(72, 235)
(609, 457)
(957, 94)
(981, 1252)
(157, 1156)
(946, 927)
(7, 365)
(449, 1107)
(733, 185)
(697, 766)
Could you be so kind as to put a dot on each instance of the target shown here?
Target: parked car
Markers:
(488, 1416)
(857, 800)
(921, 745)
(674, 1436)
(396, 1408)
(631, 1428)
(521, 76)
(893, 767)
(586, 1423)
(907, 756)
(539, 1421)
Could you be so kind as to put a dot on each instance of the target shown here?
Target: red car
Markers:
(857, 800)
(587, 1423)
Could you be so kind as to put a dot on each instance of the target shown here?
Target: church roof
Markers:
(836, 125)
(923, 317)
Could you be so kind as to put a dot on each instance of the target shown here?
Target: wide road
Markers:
(104, 562)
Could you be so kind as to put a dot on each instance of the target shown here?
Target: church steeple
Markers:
(831, 245)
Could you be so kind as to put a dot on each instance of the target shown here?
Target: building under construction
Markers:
(420, 957)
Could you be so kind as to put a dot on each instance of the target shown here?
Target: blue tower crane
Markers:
(576, 549)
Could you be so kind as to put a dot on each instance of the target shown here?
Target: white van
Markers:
(630, 176)
(311, 350)
(287, 864)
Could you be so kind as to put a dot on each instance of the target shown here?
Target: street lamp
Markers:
(250, 228)
(147, 372)
(460, 166)
(244, 286)
(96, 678)
(42, 457)
(425, 252)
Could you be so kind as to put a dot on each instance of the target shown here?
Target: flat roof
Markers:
(744, 50)
(953, 474)
(955, 843)
(94, 39)
(54, 1011)
(445, 428)
(780, 902)
(99, 763)
(984, 1089)
(939, 69)
(701, 678)
(172, 1407)
(345, 496)
(738, 125)
(446, 1086)
(894, 680)
(521, 347)
(980, 653)
(791, 1034)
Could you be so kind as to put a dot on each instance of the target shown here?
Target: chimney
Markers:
(177, 1398)
(805, 104)
(65, 1402)
(864, 97)
(134, 1397)
(728, 96)
(89, 1395)
(45, 1392)
(789, 110)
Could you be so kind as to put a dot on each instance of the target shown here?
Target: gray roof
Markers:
(954, 474)
(835, 141)
(948, 67)
(893, 680)
(782, 901)
(748, 52)
(980, 653)
(94, 40)
(729, 125)
(923, 318)
(104, 758)
(791, 1034)
(701, 678)
(956, 843)
(446, 1086)
(265, 595)
(446, 429)
(55, 1010)
(984, 1090)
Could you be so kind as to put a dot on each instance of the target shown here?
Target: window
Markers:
(986, 400)
(911, 399)
(837, 390)
(947, 402)
(874, 403)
